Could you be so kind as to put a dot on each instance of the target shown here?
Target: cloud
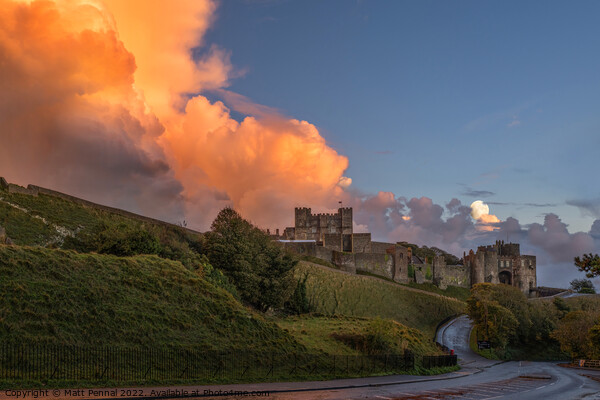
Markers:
(477, 193)
(555, 239)
(73, 120)
(106, 102)
(107, 97)
(515, 122)
(587, 207)
(481, 213)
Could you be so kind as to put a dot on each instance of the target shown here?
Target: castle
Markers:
(330, 237)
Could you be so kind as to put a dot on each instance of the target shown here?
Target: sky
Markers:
(407, 111)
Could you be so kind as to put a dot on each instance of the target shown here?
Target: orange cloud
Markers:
(100, 95)
(481, 213)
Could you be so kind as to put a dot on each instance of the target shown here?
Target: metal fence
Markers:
(439, 361)
(51, 362)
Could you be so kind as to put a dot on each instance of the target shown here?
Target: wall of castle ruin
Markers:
(77, 200)
(3, 183)
(378, 264)
(455, 275)
(361, 243)
(30, 191)
(324, 254)
(303, 248)
(332, 241)
(380, 247)
(526, 275)
(345, 261)
(311, 226)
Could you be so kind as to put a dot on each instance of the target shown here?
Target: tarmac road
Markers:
(478, 378)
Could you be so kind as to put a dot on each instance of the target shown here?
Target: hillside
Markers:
(62, 297)
(81, 274)
(51, 221)
(333, 292)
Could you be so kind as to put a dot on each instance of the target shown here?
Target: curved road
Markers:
(478, 378)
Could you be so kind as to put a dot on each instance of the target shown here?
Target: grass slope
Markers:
(333, 292)
(53, 222)
(63, 297)
(332, 334)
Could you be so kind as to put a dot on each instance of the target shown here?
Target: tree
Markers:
(583, 286)
(573, 333)
(298, 303)
(590, 264)
(492, 319)
(258, 267)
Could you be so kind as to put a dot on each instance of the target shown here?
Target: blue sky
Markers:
(476, 100)
(427, 106)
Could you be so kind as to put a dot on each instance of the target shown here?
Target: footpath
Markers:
(451, 334)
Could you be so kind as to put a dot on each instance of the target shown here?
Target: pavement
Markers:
(479, 378)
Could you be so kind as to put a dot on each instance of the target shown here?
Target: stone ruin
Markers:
(330, 237)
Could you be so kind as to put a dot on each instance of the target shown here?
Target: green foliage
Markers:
(428, 274)
(298, 302)
(352, 335)
(425, 252)
(590, 264)
(258, 267)
(63, 297)
(594, 337)
(561, 306)
(124, 240)
(411, 271)
(498, 312)
(332, 292)
(583, 286)
(573, 333)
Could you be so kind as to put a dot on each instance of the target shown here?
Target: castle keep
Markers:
(330, 237)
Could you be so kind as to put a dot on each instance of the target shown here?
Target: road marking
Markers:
(383, 397)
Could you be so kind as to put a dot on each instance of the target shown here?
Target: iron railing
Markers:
(85, 363)
(439, 361)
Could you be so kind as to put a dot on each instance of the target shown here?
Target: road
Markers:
(478, 378)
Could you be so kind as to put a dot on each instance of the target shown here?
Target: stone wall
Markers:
(3, 184)
(345, 261)
(526, 275)
(361, 243)
(303, 248)
(401, 257)
(309, 226)
(455, 275)
(378, 264)
(30, 190)
(380, 247)
(332, 241)
(54, 193)
(324, 254)
(423, 273)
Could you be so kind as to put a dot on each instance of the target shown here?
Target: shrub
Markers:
(260, 269)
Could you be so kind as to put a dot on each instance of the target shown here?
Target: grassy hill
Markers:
(63, 297)
(76, 276)
(332, 292)
(50, 221)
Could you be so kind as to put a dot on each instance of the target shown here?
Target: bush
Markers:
(260, 269)
(298, 303)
